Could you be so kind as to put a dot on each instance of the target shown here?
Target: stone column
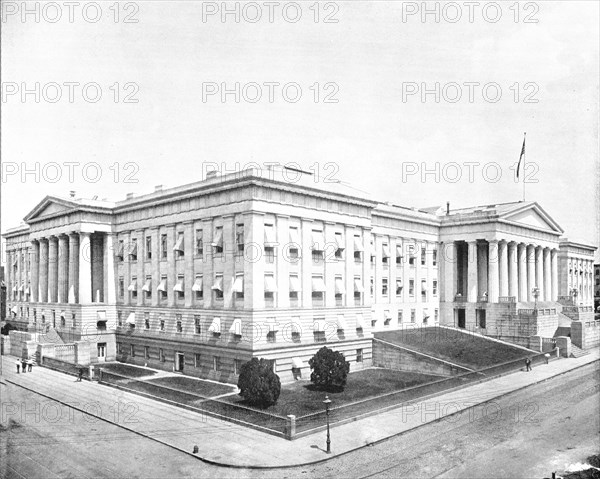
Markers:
(472, 272)
(539, 271)
(513, 271)
(503, 267)
(530, 271)
(63, 272)
(52, 269)
(188, 246)
(73, 268)
(35, 271)
(85, 268)
(493, 275)
(110, 296)
(171, 267)
(554, 266)
(155, 266)
(547, 275)
(522, 260)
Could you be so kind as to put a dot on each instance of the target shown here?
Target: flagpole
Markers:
(524, 155)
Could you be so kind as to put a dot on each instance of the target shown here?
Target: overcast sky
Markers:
(367, 115)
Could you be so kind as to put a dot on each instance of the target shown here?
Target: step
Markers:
(577, 352)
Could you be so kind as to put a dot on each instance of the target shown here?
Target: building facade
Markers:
(202, 277)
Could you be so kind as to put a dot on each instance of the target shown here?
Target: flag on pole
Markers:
(521, 157)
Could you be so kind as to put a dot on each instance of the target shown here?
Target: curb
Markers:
(325, 459)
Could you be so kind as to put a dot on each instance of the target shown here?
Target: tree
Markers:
(258, 384)
(330, 369)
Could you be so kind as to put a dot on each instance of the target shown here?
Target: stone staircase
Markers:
(577, 352)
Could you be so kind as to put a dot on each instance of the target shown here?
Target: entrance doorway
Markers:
(179, 362)
(101, 352)
(461, 318)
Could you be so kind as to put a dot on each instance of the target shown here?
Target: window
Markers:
(179, 247)
(199, 243)
(294, 245)
(121, 287)
(317, 256)
(146, 352)
(218, 240)
(197, 324)
(163, 246)
(358, 249)
(425, 317)
(63, 321)
(358, 290)
(434, 257)
(340, 290)
(161, 355)
(133, 287)
(372, 252)
(359, 355)
(198, 288)
(339, 246)
(197, 358)
(161, 322)
(218, 287)
(385, 253)
(237, 366)
(272, 336)
(434, 287)
(147, 288)
(436, 315)
(179, 287)
(318, 246)
(179, 320)
(400, 317)
(119, 318)
(238, 286)
(35, 316)
(399, 254)
(398, 287)
(239, 237)
(413, 316)
(132, 350)
(270, 288)
(269, 254)
(411, 255)
(423, 256)
(387, 318)
(294, 287)
(424, 290)
(216, 363)
(384, 286)
(148, 247)
(481, 319)
(121, 250)
(146, 320)
(411, 288)
(318, 290)
(372, 285)
(133, 250)
(162, 287)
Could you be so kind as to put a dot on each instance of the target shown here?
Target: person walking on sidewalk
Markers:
(18, 363)
(24, 365)
(29, 365)
(528, 364)
(80, 374)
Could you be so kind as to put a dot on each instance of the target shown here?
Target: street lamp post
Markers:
(327, 402)
(574, 293)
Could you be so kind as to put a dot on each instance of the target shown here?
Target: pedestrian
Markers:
(547, 356)
(18, 363)
(29, 365)
(528, 364)
(80, 374)
(24, 365)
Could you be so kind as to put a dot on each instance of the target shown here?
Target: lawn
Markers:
(195, 386)
(127, 370)
(471, 351)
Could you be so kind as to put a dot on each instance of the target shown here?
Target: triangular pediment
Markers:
(49, 207)
(53, 208)
(533, 216)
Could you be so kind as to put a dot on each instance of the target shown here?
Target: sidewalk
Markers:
(227, 444)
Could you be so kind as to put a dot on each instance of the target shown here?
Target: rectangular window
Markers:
(238, 286)
(133, 287)
(197, 358)
(436, 316)
(119, 318)
(269, 254)
(133, 252)
(424, 290)
(218, 287)
(146, 352)
(434, 257)
(339, 246)
(398, 287)
(146, 320)
(216, 363)
(481, 319)
(148, 247)
(385, 255)
(161, 322)
(319, 336)
(121, 287)
(237, 366)
(162, 287)
(121, 250)
(179, 288)
(179, 247)
(411, 288)
(161, 355)
(358, 249)
(272, 336)
(293, 250)
(218, 240)
(434, 287)
(400, 317)
(384, 286)
(359, 355)
(413, 316)
(294, 287)
(423, 256)
(179, 320)
(387, 318)
(198, 288)
(199, 243)
(239, 237)
(197, 324)
(132, 350)
(163, 246)
(318, 291)
(340, 290)
(270, 289)
(147, 288)
(372, 286)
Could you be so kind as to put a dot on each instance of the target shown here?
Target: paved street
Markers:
(545, 425)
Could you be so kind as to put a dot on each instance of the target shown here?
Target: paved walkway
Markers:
(228, 444)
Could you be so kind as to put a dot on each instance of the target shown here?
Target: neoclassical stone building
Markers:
(202, 277)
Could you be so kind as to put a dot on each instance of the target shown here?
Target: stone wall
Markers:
(585, 335)
(391, 356)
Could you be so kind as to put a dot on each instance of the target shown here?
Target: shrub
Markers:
(258, 384)
(330, 369)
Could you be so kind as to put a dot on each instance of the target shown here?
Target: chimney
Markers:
(158, 188)
(447, 208)
(129, 196)
(211, 174)
(72, 193)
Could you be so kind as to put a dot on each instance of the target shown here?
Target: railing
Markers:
(507, 299)
(482, 299)
(537, 312)
(459, 298)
